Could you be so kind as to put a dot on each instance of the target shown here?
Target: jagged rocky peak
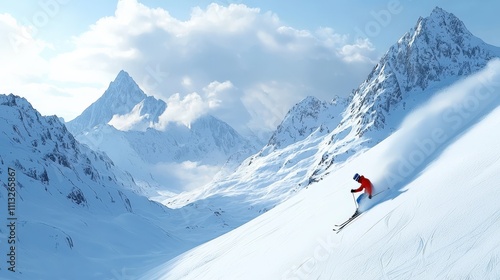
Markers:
(438, 50)
(124, 90)
(435, 53)
(438, 46)
(12, 100)
(121, 97)
(441, 22)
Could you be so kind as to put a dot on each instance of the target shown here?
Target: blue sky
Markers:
(246, 66)
(480, 17)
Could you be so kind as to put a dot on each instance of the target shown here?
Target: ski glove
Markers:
(370, 197)
(353, 190)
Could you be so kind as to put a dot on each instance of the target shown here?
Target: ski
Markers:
(339, 229)
(344, 224)
(348, 220)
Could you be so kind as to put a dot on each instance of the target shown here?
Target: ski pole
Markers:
(354, 198)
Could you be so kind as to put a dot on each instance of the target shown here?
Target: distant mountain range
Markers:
(141, 149)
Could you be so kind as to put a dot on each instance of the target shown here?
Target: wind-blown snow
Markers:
(442, 221)
(426, 130)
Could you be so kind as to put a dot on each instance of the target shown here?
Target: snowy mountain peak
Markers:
(119, 100)
(27, 116)
(12, 100)
(445, 20)
(439, 49)
(438, 27)
(123, 75)
(124, 87)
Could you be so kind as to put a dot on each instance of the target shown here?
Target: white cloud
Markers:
(18, 50)
(131, 121)
(358, 52)
(187, 82)
(269, 65)
(185, 176)
(185, 110)
(182, 110)
(235, 18)
(214, 90)
(267, 103)
(25, 72)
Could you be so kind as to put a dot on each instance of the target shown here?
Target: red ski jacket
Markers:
(365, 184)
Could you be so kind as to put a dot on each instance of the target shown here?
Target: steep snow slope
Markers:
(439, 220)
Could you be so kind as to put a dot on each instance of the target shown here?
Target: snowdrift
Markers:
(437, 214)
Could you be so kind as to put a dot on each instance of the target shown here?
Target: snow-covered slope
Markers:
(77, 217)
(439, 220)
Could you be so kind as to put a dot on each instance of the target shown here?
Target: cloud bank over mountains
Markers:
(269, 65)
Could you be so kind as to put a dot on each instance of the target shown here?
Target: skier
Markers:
(365, 184)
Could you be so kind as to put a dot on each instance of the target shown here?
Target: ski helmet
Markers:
(356, 177)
